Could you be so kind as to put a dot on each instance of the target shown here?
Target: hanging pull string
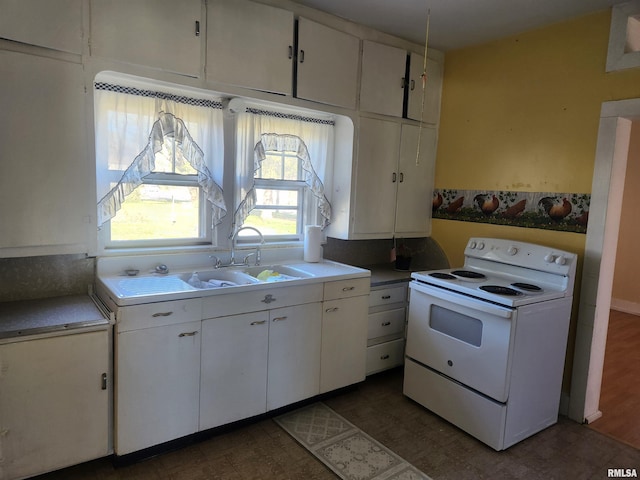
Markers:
(424, 87)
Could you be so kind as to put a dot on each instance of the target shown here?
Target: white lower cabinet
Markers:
(386, 327)
(233, 380)
(57, 414)
(158, 378)
(294, 354)
(254, 352)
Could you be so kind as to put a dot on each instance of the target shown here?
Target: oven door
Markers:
(465, 339)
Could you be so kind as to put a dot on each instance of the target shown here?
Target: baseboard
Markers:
(593, 418)
(625, 306)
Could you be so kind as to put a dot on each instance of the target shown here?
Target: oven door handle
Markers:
(462, 300)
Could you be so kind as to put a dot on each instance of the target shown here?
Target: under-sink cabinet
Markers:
(386, 327)
(189, 365)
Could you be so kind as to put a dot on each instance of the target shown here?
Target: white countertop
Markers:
(126, 290)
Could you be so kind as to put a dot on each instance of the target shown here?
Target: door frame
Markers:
(607, 190)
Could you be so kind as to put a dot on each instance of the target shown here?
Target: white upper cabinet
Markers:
(250, 45)
(432, 91)
(393, 190)
(162, 34)
(51, 24)
(415, 181)
(383, 78)
(327, 69)
(47, 198)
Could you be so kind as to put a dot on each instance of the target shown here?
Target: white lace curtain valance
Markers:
(133, 125)
(259, 132)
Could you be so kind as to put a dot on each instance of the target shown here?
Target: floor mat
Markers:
(345, 449)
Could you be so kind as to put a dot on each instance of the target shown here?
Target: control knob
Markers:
(512, 250)
(549, 258)
(561, 260)
(480, 245)
(472, 245)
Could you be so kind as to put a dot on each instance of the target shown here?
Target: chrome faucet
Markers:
(233, 247)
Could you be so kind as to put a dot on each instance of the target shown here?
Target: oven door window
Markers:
(462, 327)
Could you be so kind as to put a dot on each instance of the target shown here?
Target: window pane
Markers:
(158, 212)
(276, 197)
(272, 222)
(291, 168)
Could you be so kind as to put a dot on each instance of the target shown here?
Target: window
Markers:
(280, 192)
(155, 182)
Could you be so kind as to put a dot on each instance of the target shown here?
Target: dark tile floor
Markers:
(567, 450)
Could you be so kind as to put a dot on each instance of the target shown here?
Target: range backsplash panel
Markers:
(568, 212)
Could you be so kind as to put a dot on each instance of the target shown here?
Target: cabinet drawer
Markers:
(388, 322)
(388, 295)
(260, 299)
(384, 356)
(347, 288)
(159, 314)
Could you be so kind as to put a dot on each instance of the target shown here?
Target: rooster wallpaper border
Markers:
(568, 212)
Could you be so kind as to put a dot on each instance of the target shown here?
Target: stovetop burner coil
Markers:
(442, 276)
(500, 290)
(468, 274)
(527, 286)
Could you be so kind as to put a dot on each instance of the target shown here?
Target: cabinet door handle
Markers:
(413, 84)
(401, 177)
(290, 52)
(279, 319)
(268, 298)
(403, 82)
(348, 289)
(393, 177)
(162, 314)
(197, 28)
(258, 322)
(188, 334)
(104, 381)
(384, 357)
(331, 310)
(301, 56)
(386, 297)
(386, 324)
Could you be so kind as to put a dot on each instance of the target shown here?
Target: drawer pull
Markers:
(188, 334)
(279, 319)
(268, 299)
(331, 310)
(162, 314)
(386, 297)
(384, 357)
(348, 289)
(386, 324)
(104, 381)
(258, 322)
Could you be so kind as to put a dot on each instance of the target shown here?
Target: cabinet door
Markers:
(327, 65)
(383, 74)
(415, 181)
(233, 383)
(250, 45)
(53, 410)
(344, 342)
(294, 354)
(157, 384)
(377, 177)
(56, 25)
(155, 33)
(47, 199)
(432, 93)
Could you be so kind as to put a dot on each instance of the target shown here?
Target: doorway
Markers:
(612, 150)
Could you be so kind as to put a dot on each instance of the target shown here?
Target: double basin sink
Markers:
(209, 279)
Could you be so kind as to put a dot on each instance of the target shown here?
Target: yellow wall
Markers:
(522, 114)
